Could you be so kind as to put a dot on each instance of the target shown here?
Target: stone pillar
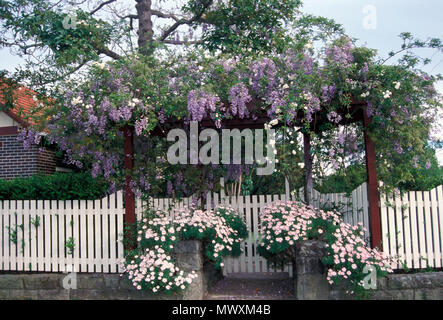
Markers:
(189, 257)
(309, 273)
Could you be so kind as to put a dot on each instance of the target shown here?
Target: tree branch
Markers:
(109, 53)
(165, 15)
(101, 6)
(180, 42)
(180, 22)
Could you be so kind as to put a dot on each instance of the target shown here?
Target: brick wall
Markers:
(46, 161)
(15, 161)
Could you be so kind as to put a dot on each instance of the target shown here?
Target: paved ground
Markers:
(239, 288)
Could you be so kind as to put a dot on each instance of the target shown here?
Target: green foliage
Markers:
(59, 186)
(418, 178)
(70, 245)
(36, 221)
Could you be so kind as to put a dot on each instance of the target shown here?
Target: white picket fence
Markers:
(413, 233)
(36, 235)
(412, 228)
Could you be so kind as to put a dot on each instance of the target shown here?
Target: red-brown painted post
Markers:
(373, 197)
(128, 149)
(308, 168)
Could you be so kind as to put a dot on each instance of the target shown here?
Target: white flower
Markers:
(285, 86)
(294, 152)
(273, 122)
(387, 94)
(308, 45)
(100, 65)
(397, 85)
(76, 101)
(364, 95)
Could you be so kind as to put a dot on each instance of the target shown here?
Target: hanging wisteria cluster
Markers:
(286, 223)
(152, 265)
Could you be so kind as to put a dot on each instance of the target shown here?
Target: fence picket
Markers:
(421, 229)
(392, 231)
(414, 229)
(435, 228)
(428, 229)
(27, 237)
(399, 229)
(384, 223)
(20, 234)
(407, 230)
(440, 215)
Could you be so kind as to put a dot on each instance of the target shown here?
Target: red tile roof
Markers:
(23, 101)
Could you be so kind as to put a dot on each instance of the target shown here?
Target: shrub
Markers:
(152, 265)
(347, 255)
(59, 186)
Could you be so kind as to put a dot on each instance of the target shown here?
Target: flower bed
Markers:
(283, 224)
(152, 265)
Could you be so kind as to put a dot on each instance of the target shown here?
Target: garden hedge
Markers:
(59, 186)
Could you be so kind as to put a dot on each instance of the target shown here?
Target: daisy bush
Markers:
(283, 224)
(152, 265)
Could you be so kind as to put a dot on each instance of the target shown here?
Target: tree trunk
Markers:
(145, 29)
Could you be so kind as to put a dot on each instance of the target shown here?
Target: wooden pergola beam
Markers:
(128, 149)
(373, 196)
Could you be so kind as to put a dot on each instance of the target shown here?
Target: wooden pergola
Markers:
(358, 113)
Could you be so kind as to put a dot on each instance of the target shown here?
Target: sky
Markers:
(423, 18)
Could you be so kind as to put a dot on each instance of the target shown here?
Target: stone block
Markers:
(4, 294)
(188, 246)
(112, 281)
(196, 290)
(21, 294)
(428, 294)
(11, 281)
(189, 262)
(312, 287)
(90, 281)
(53, 294)
(42, 281)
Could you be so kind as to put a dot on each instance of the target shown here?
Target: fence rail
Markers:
(40, 235)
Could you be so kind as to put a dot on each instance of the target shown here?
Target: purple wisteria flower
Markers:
(239, 97)
(334, 117)
(200, 103)
(341, 55)
(328, 93)
(141, 125)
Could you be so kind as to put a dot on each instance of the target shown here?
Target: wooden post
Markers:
(128, 149)
(308, 167)
(373, 197)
